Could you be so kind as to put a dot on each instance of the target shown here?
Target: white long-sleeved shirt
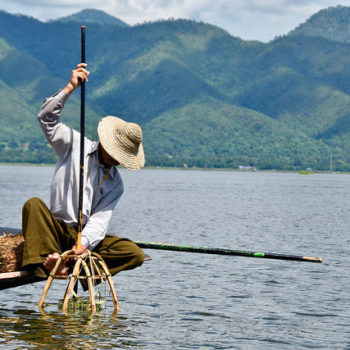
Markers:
(101, 193)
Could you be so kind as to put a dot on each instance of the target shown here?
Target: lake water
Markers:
(197, 301)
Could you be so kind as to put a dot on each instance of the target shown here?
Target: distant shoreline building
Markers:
(247, 168)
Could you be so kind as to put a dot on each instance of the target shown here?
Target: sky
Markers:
(261, 20)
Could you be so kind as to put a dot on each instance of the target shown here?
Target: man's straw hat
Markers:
(122, 141)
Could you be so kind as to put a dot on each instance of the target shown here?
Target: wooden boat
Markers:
(15, 278)
(19, 278)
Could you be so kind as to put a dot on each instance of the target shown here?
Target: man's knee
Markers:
(120, 253)
(138, 256)
(32, 204)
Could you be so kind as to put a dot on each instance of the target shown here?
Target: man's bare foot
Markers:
(50, 263)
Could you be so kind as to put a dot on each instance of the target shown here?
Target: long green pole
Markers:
(220, 251)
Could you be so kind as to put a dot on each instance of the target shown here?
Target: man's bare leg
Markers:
(51, 261)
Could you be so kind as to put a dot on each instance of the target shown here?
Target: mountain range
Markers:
(203, 97)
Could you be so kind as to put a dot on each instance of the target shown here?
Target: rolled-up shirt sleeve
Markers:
(58, 134)
(96, 227)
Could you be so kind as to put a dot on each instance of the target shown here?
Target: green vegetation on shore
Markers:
(203, 97)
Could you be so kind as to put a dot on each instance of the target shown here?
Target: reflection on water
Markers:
(55, 330)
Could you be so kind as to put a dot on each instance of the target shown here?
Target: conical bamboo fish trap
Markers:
(88, 267)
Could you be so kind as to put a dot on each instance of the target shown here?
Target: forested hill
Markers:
(203, 97)
(331, 23)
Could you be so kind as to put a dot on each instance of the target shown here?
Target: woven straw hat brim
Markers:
(113, 142)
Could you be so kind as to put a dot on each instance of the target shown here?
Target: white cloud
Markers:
(53, 3)
(248, 19)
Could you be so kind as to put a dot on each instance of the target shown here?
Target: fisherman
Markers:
(49, 232)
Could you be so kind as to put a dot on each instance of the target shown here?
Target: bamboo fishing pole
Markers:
(82, 135)
(220, 251)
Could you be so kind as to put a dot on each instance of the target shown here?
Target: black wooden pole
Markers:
(82, 136)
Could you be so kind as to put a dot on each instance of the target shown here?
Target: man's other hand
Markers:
(82, 250)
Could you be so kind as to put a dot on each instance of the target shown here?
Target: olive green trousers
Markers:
(44, 234)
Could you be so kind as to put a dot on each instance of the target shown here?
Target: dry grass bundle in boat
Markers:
(11, 250)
